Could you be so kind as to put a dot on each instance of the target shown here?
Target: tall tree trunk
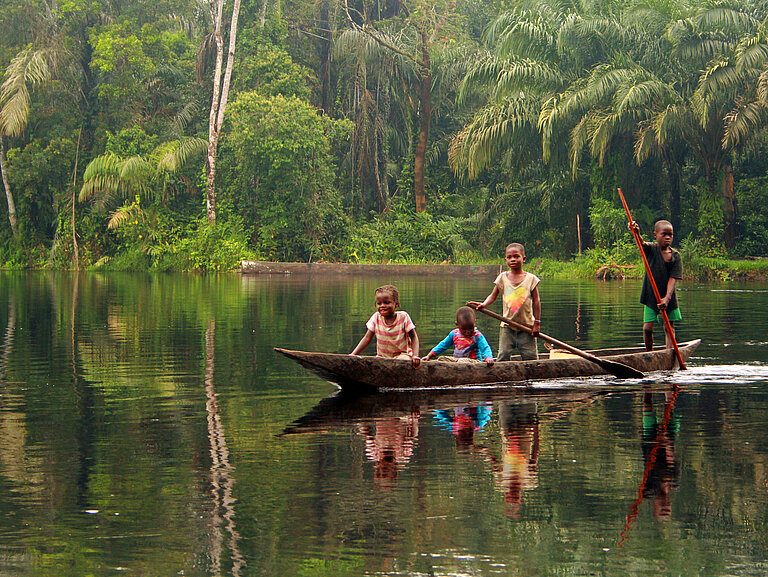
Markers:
(75, 249)
(324, 50)
(425, 116)
(7, 187)
(219, 98)
(675, 186)
(729, 208)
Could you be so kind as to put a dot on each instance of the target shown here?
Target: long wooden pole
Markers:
(667, 324)
(614, 367)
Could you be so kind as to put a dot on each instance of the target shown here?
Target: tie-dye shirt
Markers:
(516, 298)
(465, 347)
(391, 341)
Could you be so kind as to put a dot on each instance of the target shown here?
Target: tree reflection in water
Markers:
(222, 472)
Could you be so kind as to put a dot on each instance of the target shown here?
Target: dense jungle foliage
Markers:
(362, 131)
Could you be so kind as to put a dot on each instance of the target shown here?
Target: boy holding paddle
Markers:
(520, 301)
(666, 266)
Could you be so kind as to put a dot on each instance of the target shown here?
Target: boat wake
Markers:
(744, 374)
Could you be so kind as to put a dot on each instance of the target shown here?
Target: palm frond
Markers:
(646, 144)
(136, 168)
(206, 53)
(480, 76)
(720, 81)
(125, 214)
(742, 122)
(184, 118)
(640, 98)
(28, 68)
(526, 74)
(492, 130)
(578, 32)
(178, 152)
(101, 175)
(604, 128)
(721, 16)
(752, 53)
(672, 122)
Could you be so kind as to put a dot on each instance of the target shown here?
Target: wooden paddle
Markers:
(665, 318)
(617, 369)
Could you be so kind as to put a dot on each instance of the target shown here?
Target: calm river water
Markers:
(148, 428)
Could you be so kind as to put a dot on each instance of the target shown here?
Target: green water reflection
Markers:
(147, 427)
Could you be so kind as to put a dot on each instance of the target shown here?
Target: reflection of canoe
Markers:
(343, 408)
(360, 372)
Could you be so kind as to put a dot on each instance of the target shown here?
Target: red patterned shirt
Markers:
(391, 341)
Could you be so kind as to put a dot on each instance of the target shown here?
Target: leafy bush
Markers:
(210, 248)
(619, 261)
(402, 235)
(280, 175)
(752, 196)
(609, 223)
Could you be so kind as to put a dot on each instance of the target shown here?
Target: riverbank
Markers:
(697, 269)
(266, 267)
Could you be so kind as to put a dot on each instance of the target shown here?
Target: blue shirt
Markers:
(465, 347)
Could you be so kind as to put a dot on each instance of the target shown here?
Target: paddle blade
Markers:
(620, 370)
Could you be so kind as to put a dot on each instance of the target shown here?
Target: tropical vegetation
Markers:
(167, 135)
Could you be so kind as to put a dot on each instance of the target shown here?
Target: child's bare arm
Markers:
(536, 312)
(670, 291)
(488, 300)
(364, 342)
(415, 347)
(633, 226)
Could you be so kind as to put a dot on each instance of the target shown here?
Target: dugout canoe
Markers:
(369, 372)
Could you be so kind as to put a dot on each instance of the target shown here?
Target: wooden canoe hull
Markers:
(358, 372)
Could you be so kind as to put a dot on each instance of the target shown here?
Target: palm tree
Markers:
(27, 69)
(420, 25)
(677, 95)
(723, 48)
(530, 58)
(534, 54)
(109, 179)
(379, 107)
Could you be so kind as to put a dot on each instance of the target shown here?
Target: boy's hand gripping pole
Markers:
(667, 324)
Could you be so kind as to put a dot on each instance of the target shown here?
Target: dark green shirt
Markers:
(662, 271)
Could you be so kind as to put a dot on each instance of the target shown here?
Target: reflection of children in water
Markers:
(662, 471)
(520, 442)
(517, 470)
(463, 422)
(389, 443)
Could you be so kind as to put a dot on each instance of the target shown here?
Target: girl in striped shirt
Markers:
(395, 332)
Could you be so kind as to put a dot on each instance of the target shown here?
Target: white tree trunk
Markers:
(7, 187)
(213, 133)
(219, 99)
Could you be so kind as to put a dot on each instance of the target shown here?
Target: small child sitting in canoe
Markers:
(467, 342)
(395, 332)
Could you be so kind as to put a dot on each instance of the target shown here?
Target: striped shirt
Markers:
(391, 341)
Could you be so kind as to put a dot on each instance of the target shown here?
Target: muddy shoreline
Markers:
(266, 267)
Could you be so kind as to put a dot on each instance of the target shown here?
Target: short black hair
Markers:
(391, 290)
(465, 314)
